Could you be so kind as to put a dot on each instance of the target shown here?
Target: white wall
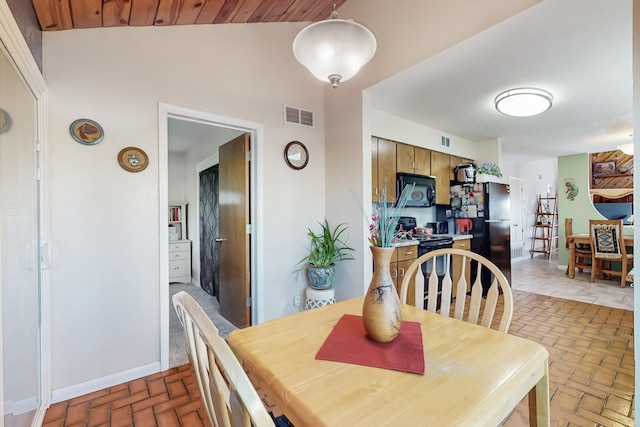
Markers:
(536, 175)
(105, 221)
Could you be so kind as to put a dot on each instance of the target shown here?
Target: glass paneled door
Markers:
(20, 257)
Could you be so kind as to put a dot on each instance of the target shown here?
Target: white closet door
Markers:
(19, 249)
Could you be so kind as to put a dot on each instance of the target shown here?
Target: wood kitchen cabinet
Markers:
(440, 169)
(464, 244)
(412, 159)
(383, 168)
(402, 258)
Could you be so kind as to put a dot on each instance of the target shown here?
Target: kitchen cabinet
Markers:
(402, 258)
(440, 170)
(411, 159)
(180, 261)
(464, 244)
(383, 169)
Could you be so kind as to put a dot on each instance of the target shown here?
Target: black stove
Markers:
(427, 241)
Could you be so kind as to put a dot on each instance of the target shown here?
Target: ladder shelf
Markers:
(545, 229)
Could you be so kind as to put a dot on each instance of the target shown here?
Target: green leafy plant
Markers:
(327, 247)
(385, 216)
(490, 169)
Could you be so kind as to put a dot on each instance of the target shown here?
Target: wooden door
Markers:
(387, 168)
(422, 161)
(234, 240)
(405, 158)
(440, 169)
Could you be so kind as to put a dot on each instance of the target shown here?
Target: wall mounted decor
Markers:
(604, 168)
(86, 131)
(5, 121)
(133, 159)
(296, 155)
(571, 188)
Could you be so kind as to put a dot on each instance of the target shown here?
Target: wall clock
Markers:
(296, 155)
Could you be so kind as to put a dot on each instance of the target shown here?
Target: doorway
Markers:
(195, 161)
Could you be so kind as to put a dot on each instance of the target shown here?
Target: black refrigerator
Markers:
(488, 206)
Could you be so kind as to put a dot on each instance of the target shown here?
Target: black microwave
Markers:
(424, 192)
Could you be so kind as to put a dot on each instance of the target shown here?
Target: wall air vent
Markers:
(297, 116)
(445, 142)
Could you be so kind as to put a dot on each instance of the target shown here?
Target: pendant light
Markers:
(335, 49)
(523, 102)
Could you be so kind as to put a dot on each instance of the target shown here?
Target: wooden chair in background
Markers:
(497, 288)
(582, 252)
(607, 245)
(228, 395)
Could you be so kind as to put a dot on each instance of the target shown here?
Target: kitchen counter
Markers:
(456, 236)
(405, 243)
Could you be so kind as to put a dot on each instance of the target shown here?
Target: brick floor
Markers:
(591, 372)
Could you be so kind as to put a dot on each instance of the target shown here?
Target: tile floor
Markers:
(587, 328)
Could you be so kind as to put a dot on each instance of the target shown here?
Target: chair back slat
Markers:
(461, 290)
(432, 290)
(490, 306)
(447, 283)
(499, 291)
(229, 398)
(476, 296)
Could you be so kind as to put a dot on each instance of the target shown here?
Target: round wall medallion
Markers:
(296, 155)
(86, 131)
(133, 159)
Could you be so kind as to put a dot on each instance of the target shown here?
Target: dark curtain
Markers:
(209, 223)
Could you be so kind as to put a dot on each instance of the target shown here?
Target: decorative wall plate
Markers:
(133, 159)
(5, 121)
(86, 131)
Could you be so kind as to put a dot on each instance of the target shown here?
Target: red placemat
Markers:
(348, 343)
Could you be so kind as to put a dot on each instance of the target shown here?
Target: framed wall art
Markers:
(133, 159)
(604, 168)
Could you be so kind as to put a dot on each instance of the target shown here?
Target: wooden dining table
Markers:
(577, 239)
(473, 376)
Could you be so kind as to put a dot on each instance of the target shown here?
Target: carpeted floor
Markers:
(177, 352)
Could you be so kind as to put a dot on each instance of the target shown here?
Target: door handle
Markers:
(220, 239)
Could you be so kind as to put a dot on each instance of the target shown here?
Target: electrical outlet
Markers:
(296, 300)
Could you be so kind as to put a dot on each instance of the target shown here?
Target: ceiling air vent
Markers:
(298, 116)
(445, 142)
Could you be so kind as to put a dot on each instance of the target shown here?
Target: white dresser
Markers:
(180, 261)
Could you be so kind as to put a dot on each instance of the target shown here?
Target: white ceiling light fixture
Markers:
(335, 49)
(523, 102)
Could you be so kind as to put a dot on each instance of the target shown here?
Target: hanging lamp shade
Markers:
(334, 50)
(626, 148)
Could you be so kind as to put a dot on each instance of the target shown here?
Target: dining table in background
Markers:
(584, 239)
(473, 375)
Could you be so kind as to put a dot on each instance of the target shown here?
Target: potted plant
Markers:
(327, 247)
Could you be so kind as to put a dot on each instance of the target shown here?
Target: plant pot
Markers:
(320, 277)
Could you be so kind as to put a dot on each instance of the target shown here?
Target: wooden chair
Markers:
(607, 245)
(498, 286)
(228, 395)
(582, 252)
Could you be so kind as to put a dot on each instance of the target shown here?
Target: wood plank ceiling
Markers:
(55, 15)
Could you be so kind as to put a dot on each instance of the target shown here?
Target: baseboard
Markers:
(70, 392)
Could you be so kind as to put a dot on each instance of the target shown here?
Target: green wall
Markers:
(581, 209)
